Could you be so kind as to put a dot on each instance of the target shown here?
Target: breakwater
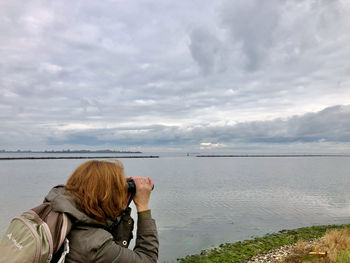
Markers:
(76, 157)
(274, 155)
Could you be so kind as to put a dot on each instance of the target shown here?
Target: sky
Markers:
(234, 76)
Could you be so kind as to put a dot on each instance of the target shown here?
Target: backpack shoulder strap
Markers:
(58, 223)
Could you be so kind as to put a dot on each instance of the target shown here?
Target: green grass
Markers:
(242, 251)
(344, 257)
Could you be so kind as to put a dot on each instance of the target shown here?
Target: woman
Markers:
(95, 198)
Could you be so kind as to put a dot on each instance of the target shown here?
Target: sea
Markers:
(202, 202)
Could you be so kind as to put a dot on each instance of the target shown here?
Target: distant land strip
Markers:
(275, 155)
(76, 157)
(70, 151)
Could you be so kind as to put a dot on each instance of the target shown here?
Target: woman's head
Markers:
(99, 188)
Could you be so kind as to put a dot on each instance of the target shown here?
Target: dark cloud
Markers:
(253, 35)
(207, 51)
(252, 24)
(157, 135)
(329, 125)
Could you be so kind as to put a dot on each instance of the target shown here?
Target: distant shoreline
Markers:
(76, 157)
(70, 151)
(274, 155)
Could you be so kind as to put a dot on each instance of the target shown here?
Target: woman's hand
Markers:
(144, 188)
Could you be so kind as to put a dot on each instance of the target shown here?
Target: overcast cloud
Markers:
(243, 75)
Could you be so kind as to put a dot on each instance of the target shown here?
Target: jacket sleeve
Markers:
(146, 247)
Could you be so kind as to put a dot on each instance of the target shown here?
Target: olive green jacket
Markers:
(93, 241)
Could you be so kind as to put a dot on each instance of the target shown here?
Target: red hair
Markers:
(99, 188)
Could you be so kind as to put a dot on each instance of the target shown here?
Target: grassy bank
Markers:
(242, 251)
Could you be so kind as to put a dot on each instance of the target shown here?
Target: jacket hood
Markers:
(62, 201)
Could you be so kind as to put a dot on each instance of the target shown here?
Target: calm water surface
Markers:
(202, 202)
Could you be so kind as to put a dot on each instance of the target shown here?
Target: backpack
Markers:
(37, 236)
